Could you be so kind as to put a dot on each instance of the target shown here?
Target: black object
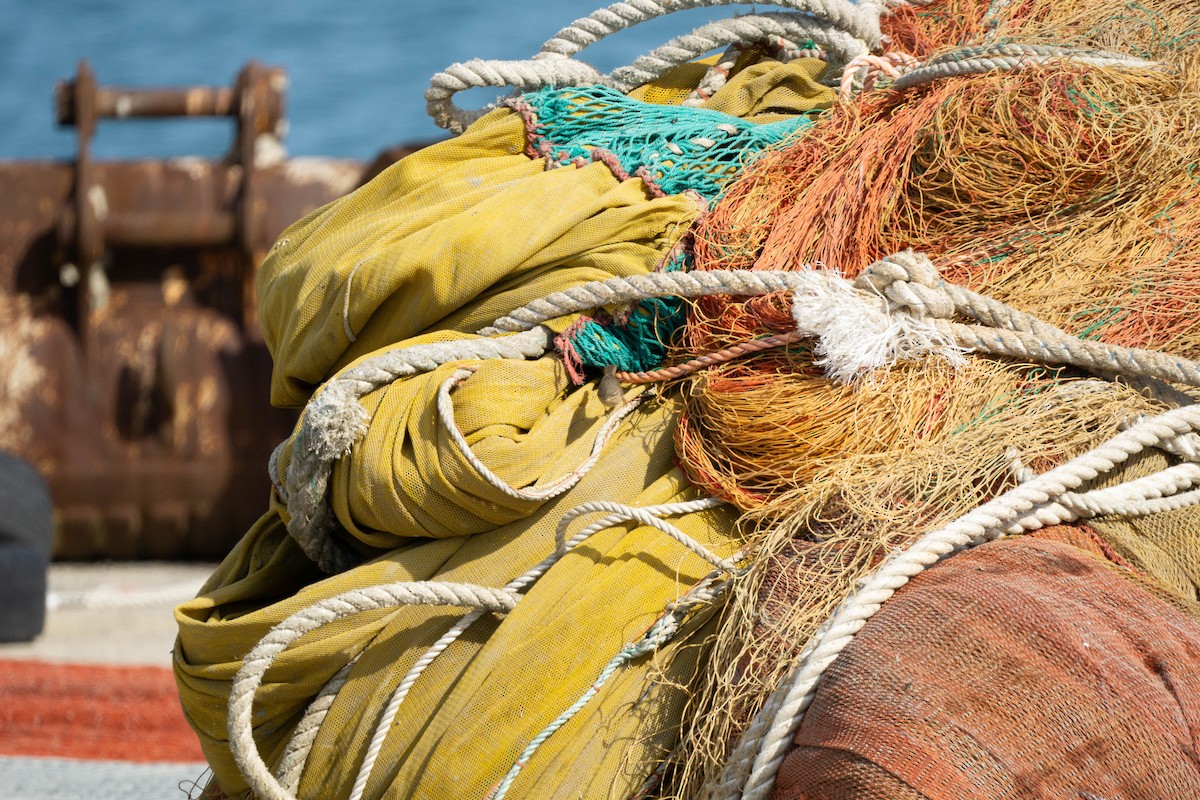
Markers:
(22, 593)
(26, 541)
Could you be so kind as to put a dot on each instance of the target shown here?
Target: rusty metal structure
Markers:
(132, 371)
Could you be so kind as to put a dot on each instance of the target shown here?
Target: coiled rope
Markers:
(481, 599)
(845, 30)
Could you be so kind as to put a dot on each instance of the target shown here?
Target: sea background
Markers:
(357, 69)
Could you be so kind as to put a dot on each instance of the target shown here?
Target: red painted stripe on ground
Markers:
(92, 712)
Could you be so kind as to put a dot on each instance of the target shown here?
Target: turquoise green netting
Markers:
(680, 149)
(675, 149)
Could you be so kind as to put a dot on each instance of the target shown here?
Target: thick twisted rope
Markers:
(899, 309)
(621, 291)
(855, 333)
(716, 76)
(522, 75)
(250, 676)
(911, 284)
(1010, 57)
(291, 764)
(1046, 499)
(860, 20)
(840, 45)
(862, 72)
(842, 28)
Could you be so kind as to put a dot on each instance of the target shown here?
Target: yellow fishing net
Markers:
(458, 234)
(434, 248)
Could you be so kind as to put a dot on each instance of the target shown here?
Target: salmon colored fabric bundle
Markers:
(1024, 668)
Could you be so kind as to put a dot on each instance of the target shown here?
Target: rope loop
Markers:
(250, 676)
(862, 72)
(859, 20)
(548, 490)
(768, 27)
(521, 75)
(844, 29)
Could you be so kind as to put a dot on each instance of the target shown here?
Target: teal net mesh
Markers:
(636, 344)
(673, 147)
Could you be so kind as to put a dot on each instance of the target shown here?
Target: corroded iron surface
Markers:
(132, 372)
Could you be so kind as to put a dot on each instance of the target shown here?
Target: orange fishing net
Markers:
(1066, 190)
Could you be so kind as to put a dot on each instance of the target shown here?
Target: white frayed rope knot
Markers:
(857, 333)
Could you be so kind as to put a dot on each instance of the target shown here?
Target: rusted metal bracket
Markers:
(91, 222)
(133, 373)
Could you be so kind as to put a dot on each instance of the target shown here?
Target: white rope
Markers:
(716, 76)
(619, 512)
(862, 72)
(518, 584)
(860, 20)
(250, 676)
(620, 291)
(1011, 57)
(662, 631)
(478, 73)
(751, 769)
(1186, 446)
(840, 45)
(855, 331)
(549, 489)
(898, 309)
(295, 756)
(845, 29)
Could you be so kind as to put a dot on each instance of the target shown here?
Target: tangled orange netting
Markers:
(1065, 190)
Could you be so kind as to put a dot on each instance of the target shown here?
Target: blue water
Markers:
(357, 68)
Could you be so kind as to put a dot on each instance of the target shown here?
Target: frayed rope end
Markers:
(335, 420)
(856, 335)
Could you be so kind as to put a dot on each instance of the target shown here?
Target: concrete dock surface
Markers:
(101, 616)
